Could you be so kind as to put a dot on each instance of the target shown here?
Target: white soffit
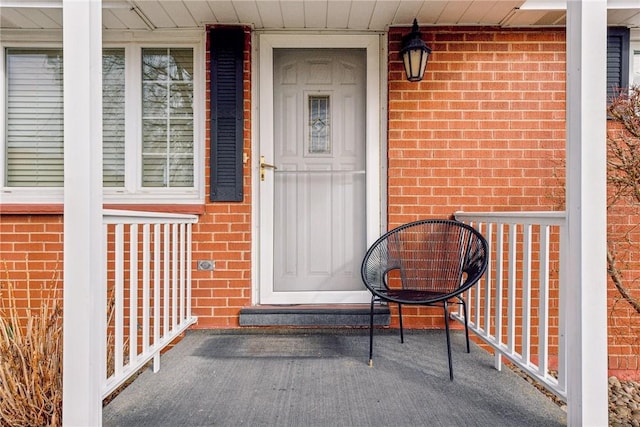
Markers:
(562, 4)
(333, 15)
(553, 13)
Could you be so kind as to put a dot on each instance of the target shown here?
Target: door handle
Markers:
(264, 165)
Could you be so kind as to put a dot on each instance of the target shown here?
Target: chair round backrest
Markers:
(434, 258)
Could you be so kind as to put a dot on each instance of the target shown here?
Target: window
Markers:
(167, 117)
(34, 119)
(152, 115)
(113, 107)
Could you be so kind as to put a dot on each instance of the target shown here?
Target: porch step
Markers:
(314, 315)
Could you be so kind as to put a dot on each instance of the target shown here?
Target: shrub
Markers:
(30, 358)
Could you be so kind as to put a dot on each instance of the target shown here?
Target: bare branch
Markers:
(623, 176)
(616, 277)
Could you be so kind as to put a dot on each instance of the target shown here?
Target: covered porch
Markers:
(308, 377)
(321, 378)
(517, 311)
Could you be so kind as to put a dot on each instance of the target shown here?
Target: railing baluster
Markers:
(498, 335)
(487, 281)
(189, 260)
(526, 293)
(146, 278)
(183, 269)
(476, 291)
(562, 316)
(174, 276)
(133, 293)
(166, 315)
(118, 297)
(543, 309)
(157, 268)
(511, 289)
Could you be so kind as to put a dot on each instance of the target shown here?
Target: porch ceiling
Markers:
(371, 15)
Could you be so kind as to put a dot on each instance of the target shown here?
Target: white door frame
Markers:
(262, 261)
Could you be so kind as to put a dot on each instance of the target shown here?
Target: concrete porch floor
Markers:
(306, 377)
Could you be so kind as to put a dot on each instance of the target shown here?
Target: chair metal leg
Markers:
(371, 333)
(446, 325)
(401, 328)
(466, 322)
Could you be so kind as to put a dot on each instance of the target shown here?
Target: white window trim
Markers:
(132, 42)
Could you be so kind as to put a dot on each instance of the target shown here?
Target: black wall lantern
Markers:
(415, 54)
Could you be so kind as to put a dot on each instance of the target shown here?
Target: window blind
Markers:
(113, 94)
(34, 144)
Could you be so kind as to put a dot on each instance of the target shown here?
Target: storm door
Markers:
(314, 174)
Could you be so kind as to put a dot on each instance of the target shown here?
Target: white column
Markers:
(586, 305)
(84, 277)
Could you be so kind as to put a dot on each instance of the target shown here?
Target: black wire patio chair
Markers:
(427, 262)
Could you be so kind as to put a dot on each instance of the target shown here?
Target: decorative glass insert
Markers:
(319, 125)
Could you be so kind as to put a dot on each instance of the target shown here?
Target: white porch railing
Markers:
(516, 307)
(148, 258)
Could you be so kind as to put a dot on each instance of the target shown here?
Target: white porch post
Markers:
(586, 213)
(84, 320)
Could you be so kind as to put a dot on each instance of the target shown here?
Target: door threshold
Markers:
(314, 315)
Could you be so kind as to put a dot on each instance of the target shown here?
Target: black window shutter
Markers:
(227, 118)
(617, 60)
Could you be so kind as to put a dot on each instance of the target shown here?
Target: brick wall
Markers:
(31, 250)
(36, 238)
(485, 128)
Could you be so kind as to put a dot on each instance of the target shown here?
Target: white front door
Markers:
(313, 207)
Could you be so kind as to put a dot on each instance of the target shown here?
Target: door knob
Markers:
(264, 165)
